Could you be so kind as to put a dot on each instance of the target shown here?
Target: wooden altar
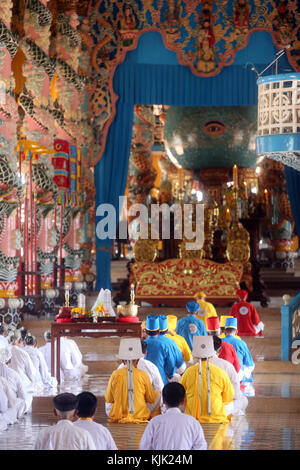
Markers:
(175, 281)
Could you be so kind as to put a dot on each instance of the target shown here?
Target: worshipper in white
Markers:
(19, 398)
(10, 412)
(64, 435)
(3, 337)
(239, 404)
(173, 430)
(21, 362)
(86, 409)
(76, 356)
(67, 370)
(150, 368)
(43, 377)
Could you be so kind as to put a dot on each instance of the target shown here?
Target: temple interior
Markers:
(129, 131)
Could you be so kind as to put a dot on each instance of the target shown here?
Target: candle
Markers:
(235, 176)
(246, 189)
(266, 196)
(67, 298)
(180, 178)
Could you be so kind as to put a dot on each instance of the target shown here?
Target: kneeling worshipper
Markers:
(64, 435)
(21, 361)
(173, 430)
(239, 404)
(43, 377)
(76, 356)
(86, 409)
(150, 368)
(248, 321)
(129, 393)
(3, 337)
(163, 329)
(67, 370)
(179, 340)
(227, 350)
(159, 352)
(190, 326)
(208, 388)
(206, 309)
(246, 361)
(20, 399)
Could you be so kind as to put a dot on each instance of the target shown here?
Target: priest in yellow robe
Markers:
(179, 340)
(130, 397)
(206, 309)
(208, 388)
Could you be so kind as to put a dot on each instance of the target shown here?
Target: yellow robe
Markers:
(182, 344)
(221, 393)
(209, 309)
(117, 394)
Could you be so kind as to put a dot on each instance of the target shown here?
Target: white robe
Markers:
(22, 398)
(239, 404)
(67, 370)
(64, 436)
(14, 404)
(76, 356)
(102, 438)
(22, 364)
(173, 430)
(43, 376)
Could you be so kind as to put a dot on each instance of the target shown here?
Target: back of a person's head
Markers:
(144, 347)
(30, 340)
(47, 336)
(230, 331)
(2, 330)
(65, 404)
(173, 394)
(23, 331)
(217, 342)
(87, 404)
(14, 337)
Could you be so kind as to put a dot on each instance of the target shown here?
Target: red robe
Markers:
(228, 353)
(247, 317)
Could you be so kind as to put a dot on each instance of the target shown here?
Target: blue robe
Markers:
(183, 328)
(242, 351)
(160, 353)
(174, 348)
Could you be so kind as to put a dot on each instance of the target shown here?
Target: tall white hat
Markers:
(203, 347)
(130, 349)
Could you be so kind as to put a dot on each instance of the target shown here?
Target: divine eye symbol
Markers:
(214, 128)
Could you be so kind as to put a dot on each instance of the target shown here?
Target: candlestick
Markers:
(180, 179)
(67, 298)
(235, 176)
(132, 296)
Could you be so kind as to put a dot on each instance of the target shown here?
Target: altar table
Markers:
(88, 329)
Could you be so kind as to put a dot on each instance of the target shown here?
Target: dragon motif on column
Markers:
(10, 188)
(38, 70)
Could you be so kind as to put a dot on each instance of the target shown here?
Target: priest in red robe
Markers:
(248, 321)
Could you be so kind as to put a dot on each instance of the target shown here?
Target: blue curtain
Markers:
(293, 186)
(110, 182)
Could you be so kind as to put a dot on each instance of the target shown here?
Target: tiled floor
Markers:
(271, 423)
